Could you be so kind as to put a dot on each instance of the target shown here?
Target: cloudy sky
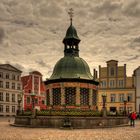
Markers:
(31, 32)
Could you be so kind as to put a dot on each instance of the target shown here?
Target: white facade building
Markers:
(10, 89)
(137, 88)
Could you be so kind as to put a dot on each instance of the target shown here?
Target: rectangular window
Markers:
(121, 97)
(121, 83)
(1, 96)
(103, 84)
(7, 97)
(112, 72)
(36, 101)
(13, 77)
(28, 100)
(129, 97)
(13, 109)
(111, 83)
(18, 87)
(7, 108)
(1, 84)
(7, 76)
(84, 96)
(112, 97)
(7, 85)
(1, 108)
(13, 97)
(70, 95)
(56, 96)
(1, 75)
(13, 85)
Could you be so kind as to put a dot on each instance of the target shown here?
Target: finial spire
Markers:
(70, 12)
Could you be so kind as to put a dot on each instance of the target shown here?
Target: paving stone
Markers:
(8, 132)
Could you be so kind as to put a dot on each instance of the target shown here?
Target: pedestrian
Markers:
(133, 118)
(129, 117)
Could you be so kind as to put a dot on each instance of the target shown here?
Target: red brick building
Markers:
(33, 84)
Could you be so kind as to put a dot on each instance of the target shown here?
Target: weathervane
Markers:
(70, 12)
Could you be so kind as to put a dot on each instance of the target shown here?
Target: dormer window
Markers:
(112, 71)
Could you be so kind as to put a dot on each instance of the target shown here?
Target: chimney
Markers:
(95, 74)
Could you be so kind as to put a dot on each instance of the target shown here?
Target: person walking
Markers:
(129, 117)
(133, 118)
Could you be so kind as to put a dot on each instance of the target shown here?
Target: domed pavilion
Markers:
(71, 96)
(71, 84)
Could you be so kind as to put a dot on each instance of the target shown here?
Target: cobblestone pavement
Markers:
(19, 133)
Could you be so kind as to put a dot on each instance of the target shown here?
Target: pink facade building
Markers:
(33, 91)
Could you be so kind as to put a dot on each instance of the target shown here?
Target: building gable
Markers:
(9, 67)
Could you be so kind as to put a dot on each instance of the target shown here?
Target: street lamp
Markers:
(104, 100)
(19, 101)
(104, 104)
(125, 102)
(33, 100)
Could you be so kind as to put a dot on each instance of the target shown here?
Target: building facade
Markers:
(137, 88)
(119, 89)
(33, 91)
(10, 89)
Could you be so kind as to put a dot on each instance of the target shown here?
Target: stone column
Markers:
(51, 97)
(78, 95)
(90, 97)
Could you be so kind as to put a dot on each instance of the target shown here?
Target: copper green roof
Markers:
(71, 34)
(71, 67)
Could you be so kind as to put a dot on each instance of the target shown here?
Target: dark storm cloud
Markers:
(34, 29)
(24, 23)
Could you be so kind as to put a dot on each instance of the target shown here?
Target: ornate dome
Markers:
(71, 67)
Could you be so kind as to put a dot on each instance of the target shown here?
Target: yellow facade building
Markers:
(118, 88)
